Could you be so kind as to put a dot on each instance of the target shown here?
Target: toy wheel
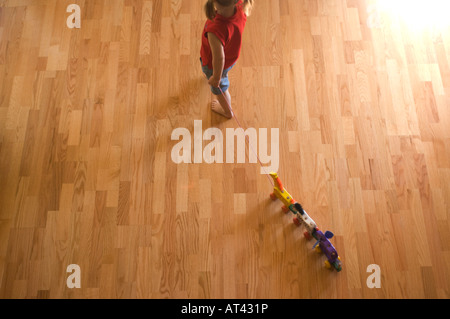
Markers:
(307, 235)
(337, 265)
(285, 209)
(297, 222)
(318, 250)
(273, 197)
(327, 264)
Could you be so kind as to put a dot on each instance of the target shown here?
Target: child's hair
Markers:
(211, 11)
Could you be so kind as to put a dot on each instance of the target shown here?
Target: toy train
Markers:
(323, 244)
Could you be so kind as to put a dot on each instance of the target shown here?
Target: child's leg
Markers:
(222, 105)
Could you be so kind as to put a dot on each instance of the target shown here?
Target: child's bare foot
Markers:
(217, 108)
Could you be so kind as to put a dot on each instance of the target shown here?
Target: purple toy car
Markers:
(323, 245)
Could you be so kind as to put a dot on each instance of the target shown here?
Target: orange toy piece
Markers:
(281, 193)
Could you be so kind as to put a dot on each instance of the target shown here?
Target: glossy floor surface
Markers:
(359, 94)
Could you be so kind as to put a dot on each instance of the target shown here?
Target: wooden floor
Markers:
(362, 102)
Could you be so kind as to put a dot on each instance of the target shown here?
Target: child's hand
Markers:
(214, 82)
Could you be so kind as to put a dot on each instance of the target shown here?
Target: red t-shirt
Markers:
(229, 31)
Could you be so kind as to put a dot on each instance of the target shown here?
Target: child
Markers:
(221, 47)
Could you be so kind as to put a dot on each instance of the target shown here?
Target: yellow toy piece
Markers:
(280, 193)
